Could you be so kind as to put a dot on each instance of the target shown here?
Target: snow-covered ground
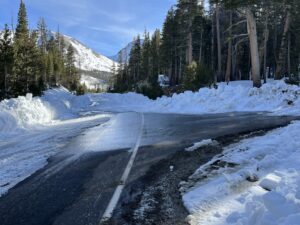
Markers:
(26, 151)
(29, 125)
(59, 104)
(33, 129)
(276, 97)
(258, 180)
(93, 83)
(260, 187)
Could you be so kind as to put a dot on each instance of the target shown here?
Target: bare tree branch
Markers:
(234, 25)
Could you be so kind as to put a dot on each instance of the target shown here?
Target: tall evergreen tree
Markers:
(6, 62)
(43, 41)
(134, 66)
(60, 57)
(155, 56)
(71, 71)
(145, 57)
(22, 31)
(187, 10)
(34, 63)
(26, 58)
(168, 46)
(21, 52)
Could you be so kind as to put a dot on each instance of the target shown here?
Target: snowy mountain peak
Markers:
(87, 59)
(124, 53)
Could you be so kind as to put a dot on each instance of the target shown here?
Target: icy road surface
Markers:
(87, 157)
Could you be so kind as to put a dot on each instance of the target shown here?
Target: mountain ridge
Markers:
(88, 59)
(125, 53)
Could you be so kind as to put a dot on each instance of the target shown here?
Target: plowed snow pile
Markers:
(23, 112)
(275, 96)
(26, 113)
(60, 104)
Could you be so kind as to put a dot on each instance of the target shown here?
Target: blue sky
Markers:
(104, 25)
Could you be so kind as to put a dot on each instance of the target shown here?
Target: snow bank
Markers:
(237, 96)
(23, 112)
(263, 188)
(60, 101)
(275, 96)
(23, 154)
(93, 83)
(60, 104)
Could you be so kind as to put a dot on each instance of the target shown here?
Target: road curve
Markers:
(79, 192)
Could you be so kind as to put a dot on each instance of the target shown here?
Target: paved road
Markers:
(75, 189)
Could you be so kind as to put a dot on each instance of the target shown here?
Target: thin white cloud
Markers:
(95, 22)
(120, 30)
(120, 17)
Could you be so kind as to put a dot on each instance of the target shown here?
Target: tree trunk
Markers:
(289, 54)
(180, 69)
(275, 37)
(201, 48)
(219, 72)
(252, 32)
(266, 38)
(229, 55)
(299, 66)
(282, 50)
(234, 62)
(189, 53)
(176, 69)
(5, 79)
(190, 48)
(213, 49)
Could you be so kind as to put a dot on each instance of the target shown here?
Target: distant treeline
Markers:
(223, 41)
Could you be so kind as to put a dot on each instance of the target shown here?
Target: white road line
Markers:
(116, 196)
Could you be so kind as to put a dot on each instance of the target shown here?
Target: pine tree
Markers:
(21, 53)
(33, 65)
(26, 56)
(121, 77)
(168, 48)
(50, 68)
(187, 10)
(145, 57)
(22, 31)
(55, 62)
(6, 63)
(280, 71)
(71, 71)
(134, 66)
(155, 57)
(43, 41)
(201, 37)
(60, 57)
(60, 42)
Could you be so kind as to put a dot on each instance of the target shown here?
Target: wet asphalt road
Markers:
(79, 192)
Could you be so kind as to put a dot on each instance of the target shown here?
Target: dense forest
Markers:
(204, 42)
(201, 43)
(32, 61)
